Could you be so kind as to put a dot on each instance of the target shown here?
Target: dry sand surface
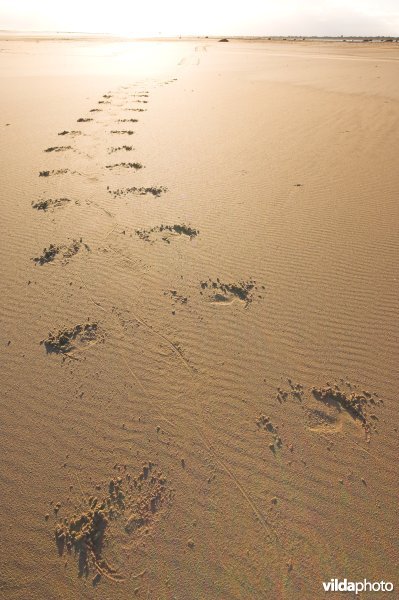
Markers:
(199, 302)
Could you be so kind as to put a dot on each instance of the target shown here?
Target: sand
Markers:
(199, 339)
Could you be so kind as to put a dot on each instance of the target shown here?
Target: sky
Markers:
(204, 17)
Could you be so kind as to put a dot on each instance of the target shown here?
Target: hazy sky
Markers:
(205, 17)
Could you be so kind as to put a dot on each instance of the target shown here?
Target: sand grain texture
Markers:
(211, 415)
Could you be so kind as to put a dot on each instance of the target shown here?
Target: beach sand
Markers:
(199, 341)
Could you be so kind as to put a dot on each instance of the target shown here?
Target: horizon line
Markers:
(193, 35)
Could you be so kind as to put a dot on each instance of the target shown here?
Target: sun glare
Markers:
(228, 17)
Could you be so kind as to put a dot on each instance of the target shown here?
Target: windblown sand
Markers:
(199, 341)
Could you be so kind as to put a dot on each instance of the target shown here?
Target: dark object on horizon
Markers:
(224, 40)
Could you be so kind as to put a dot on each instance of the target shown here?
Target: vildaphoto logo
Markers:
(343, 585)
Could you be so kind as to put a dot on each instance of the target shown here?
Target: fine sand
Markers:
(199, 302)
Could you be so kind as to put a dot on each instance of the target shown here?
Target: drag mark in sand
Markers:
(174, 347)
(85, 533)
(140, 320)
(262, 520)
(265, 524)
